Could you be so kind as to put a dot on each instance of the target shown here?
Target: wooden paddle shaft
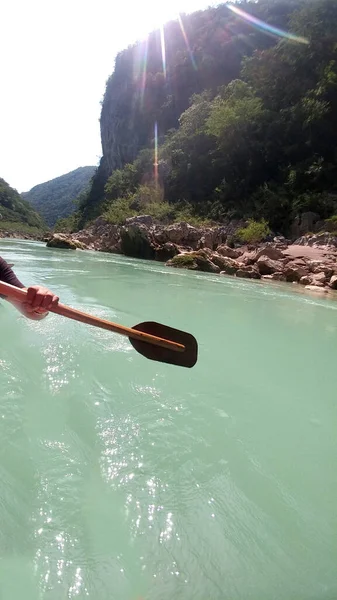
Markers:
(20, 295)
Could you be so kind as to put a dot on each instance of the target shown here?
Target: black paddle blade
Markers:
(187, 358)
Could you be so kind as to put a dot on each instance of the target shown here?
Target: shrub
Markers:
(67, 224)
(149, 200)
(118, 211)
(255, 232)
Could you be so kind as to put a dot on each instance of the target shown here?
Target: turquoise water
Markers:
(123, 478)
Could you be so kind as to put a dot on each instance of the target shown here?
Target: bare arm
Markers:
(39, 299)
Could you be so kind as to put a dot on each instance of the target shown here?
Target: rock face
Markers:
(101, 236)
(136, 242)
(306, 222)
(317, 240)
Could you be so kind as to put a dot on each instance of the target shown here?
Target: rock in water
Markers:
(248, 272)
(60, 240)
(195, 261)
(333, 282)
(226, 265)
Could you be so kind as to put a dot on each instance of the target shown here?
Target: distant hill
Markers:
(16, 214)
(55, 199)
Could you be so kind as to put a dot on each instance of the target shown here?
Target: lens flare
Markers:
(266, 27)
(163, 49)
(144, 69)
(187, 42)
(156, 153)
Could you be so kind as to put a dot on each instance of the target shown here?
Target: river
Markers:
(123, 478)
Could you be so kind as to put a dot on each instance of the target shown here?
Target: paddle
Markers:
(152, 340)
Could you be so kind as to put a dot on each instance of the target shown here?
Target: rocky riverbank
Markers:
(310, 261)
(17, 235)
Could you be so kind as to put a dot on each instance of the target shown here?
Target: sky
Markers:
(55, 59)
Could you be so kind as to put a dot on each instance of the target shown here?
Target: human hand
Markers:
(40, 300)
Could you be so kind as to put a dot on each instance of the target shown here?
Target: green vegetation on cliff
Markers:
(17, 215)
(246, 122)
(55, 199)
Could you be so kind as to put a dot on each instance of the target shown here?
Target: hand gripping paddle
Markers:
(152, 340)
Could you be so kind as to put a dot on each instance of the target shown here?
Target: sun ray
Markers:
(266, 27)
(156, 153)
(187, 42)
(163, 49)
(144, 69)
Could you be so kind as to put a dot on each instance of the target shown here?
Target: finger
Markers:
(31, 293)
(47, 301)
(38, 299)
(54, 301)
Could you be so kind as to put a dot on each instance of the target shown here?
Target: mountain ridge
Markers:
(55, 199)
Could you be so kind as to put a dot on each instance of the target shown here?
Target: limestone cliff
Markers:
(152, 84)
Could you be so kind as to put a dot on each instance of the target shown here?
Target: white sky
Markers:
(56, 56)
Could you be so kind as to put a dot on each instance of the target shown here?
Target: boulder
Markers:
(327, 269)
(166, 251)
(101, 235)
(140, 220)
(210, 238)
(319, 278)
(136, 242)
(267, 266)
(249, 272)
(228, 252)
(181, 234)
(60, 240)
(270, 252)
(280, 276)
(298, 262)
(333, 282)
(229, 265)
(306, 280)
(195, 261)
(293, 272)
(247, 258)
(226, 265)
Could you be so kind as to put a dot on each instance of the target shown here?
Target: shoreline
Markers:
(310, 261)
